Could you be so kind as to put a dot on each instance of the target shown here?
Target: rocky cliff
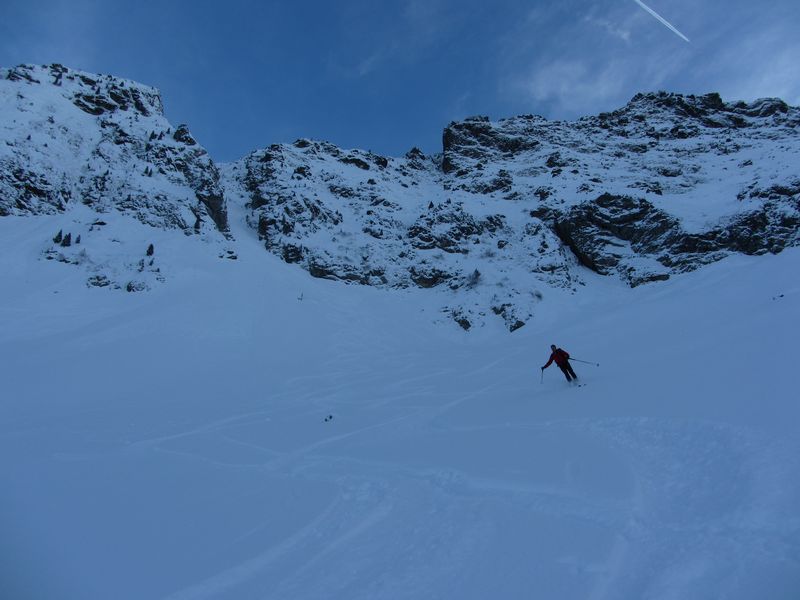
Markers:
(508, 209)
(71, 137)
(662, 186)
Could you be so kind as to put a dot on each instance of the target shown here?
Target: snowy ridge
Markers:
(662, 186)
(96, 149)
(77, 138)
(510, 211)
(247, 431)
(385, 222)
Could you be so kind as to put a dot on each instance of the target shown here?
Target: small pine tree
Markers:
(59, 237)
(150, 250)
(78, 240)
(67, 241)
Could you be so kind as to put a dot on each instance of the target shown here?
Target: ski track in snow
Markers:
(447, 471)
(663, 521)
(671, 499)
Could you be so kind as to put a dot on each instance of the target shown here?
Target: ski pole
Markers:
(585, 361)
(542, 381)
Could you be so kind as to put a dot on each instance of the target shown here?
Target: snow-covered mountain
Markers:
(99, 151)
(508, 210)
(77, 138)
(662, 186)
(246, 431)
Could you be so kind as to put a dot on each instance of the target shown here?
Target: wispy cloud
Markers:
(418, 27)
(369, 63)
(613, 29)
(759, 66)
(598, 61)
(572, 85)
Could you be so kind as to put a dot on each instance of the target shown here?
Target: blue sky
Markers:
(389, 75)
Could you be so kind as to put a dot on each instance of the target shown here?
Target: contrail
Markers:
(662, 19)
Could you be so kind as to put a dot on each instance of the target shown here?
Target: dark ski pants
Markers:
(568, 372)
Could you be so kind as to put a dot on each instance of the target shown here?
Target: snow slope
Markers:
(179, 444)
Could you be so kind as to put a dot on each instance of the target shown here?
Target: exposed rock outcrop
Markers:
(103, 142)
(661, 186)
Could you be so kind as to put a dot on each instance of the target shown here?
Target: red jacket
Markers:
(560, 356)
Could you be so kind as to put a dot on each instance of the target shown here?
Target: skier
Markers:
(561, 357)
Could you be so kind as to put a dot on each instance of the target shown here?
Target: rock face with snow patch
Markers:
(73, 137)
(612, 234)
(357, 217)
(664, 185)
